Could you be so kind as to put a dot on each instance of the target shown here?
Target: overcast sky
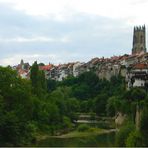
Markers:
(61, 31)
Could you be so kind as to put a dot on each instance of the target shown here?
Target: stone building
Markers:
(139, 40)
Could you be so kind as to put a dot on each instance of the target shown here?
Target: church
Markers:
(139, 40)
(138, 75)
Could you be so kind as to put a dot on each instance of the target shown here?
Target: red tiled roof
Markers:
(141, 66)
(46, 67)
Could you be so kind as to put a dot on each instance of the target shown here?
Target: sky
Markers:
(62, 31)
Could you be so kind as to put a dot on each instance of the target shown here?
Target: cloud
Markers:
(69, 30)
(13, 60)
(62, 10)
(46, 58)
(35, 39)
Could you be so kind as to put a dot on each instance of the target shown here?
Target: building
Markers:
(46, 69)
(138, 76)
(139, 40)
(23, 70)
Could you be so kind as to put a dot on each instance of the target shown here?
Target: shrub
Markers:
(134, 139)
(124, 133)
(83, 127)
(66, 122)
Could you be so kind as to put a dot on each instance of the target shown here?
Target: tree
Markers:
(138, 94)
(100, 104)
(111, 106)
(15, 109)
(124, 132)
(144, 125)
(34, 75)
(134, 139)
(38, 80)
(51, 85)
(42, 80)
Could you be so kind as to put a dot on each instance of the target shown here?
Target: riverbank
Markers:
(93, 137)
(76, 134)
(90, 132)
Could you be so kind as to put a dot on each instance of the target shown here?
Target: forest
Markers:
(29, 108)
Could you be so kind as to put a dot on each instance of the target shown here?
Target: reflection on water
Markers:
(103, 140)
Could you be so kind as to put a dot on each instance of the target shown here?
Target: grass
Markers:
(89, 132)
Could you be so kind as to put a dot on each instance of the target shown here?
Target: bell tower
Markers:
(139, 40)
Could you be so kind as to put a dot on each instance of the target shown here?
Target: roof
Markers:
(46, 67)
(20, 71)
(140, 66)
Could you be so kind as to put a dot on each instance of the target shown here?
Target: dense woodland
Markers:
(30, 107)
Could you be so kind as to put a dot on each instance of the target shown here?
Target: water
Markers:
(103, 140)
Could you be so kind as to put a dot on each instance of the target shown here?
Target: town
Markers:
(106, 98)
(133, 67)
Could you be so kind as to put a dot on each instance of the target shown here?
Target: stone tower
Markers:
(139, 44)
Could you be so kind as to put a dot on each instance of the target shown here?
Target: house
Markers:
(62, 72)
(76, 68)
(138, 75)
(24, 74)
(23, 70)
(46, 69)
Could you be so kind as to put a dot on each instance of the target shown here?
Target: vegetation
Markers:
(83, 127)
(121, 136)
(31, 107)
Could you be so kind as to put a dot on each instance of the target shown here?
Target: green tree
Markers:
(134, 139)
(34, 75)
(38, 80)
(42, 80)
(100, 104)
(123, 134)
(144, 125)
(15, 109)
(51, 85)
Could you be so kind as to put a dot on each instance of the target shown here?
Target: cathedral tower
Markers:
(139, 44)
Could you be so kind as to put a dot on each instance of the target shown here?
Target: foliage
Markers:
(15, 109)
(27, 108)
(134, 139)
(38, 80)
(39, 105)
(138, 94)
(66, 122)
(135, 94)
(51, 85)
(100, 103)
(83, 127)
(124, 133)
(144, 125)
(112, 105)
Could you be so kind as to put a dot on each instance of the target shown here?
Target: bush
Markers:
(124, 133)
(144, 125)
(66, 122)
(134, 139)
(83, 127)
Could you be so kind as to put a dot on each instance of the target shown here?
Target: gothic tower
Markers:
(139, 44)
